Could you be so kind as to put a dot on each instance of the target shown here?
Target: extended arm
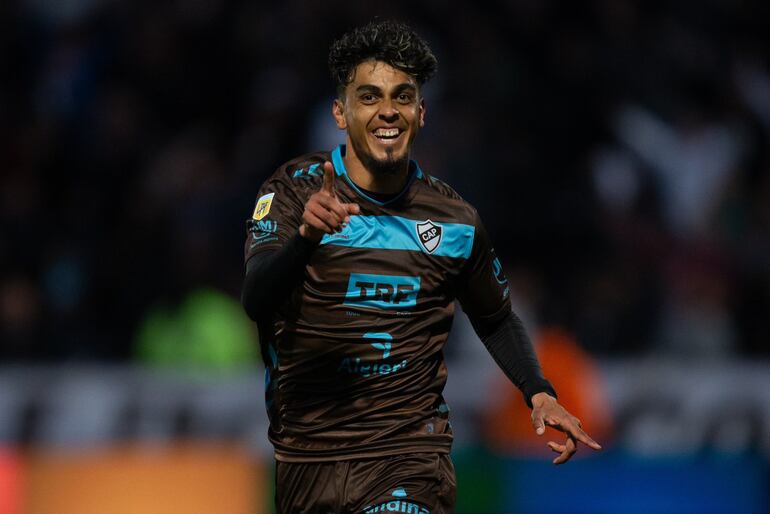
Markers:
(485, 297)
(508, 343)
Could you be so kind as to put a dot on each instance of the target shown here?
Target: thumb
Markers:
(328, 184)
(538, 423)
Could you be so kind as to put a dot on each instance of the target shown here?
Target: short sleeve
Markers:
(483, 289)
(276, 216)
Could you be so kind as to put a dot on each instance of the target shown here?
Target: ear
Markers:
(338, 111)
(422, 113)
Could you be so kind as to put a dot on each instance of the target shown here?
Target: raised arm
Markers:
(280, 242)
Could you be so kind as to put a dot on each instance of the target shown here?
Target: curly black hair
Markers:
(389, 41)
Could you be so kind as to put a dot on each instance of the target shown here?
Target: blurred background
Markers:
(617, 151)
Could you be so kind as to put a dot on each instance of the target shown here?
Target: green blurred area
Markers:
(480, 482)
(207, 331)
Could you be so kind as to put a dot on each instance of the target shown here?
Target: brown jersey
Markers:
(353, 355)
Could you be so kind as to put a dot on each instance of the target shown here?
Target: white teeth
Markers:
(393, 132)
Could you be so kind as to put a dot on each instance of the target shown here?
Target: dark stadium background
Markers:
(617, 151)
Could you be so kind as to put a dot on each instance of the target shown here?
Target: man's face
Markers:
(382, 112)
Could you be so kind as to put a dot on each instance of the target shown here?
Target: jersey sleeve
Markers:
(483, 289)
(276, 216)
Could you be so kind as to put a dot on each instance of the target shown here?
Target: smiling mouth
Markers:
(387, 135)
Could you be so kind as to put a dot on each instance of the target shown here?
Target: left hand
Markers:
(547, 411)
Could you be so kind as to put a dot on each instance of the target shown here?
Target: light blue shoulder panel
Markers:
(397, 233)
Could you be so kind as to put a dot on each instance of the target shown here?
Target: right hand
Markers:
(324, 213)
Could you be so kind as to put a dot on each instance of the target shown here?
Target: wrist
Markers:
(309, 234)
(540, 399)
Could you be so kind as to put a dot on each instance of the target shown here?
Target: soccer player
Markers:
(353, 260)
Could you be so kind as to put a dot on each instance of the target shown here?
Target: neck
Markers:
(376, 182)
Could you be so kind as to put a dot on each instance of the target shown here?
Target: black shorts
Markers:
(422, 483)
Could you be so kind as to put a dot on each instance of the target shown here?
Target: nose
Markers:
(388, 112)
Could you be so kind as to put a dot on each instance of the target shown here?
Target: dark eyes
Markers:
(369, 98)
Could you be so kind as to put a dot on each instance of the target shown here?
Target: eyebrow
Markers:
(369, 88)
(405, 87)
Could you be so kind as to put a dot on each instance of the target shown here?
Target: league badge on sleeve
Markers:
(429, 234)
(263, 206)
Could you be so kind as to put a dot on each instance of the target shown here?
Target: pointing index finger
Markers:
(579, 434)
(328, 184)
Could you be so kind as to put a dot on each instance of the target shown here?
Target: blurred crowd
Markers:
(617, 151)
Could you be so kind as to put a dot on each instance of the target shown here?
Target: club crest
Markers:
(429, 234)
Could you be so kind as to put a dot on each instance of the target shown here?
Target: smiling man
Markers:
(382, 111)
(354, 258)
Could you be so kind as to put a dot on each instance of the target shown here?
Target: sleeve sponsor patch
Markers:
(263, 206)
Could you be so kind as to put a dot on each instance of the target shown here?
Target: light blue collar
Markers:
(339, 167)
